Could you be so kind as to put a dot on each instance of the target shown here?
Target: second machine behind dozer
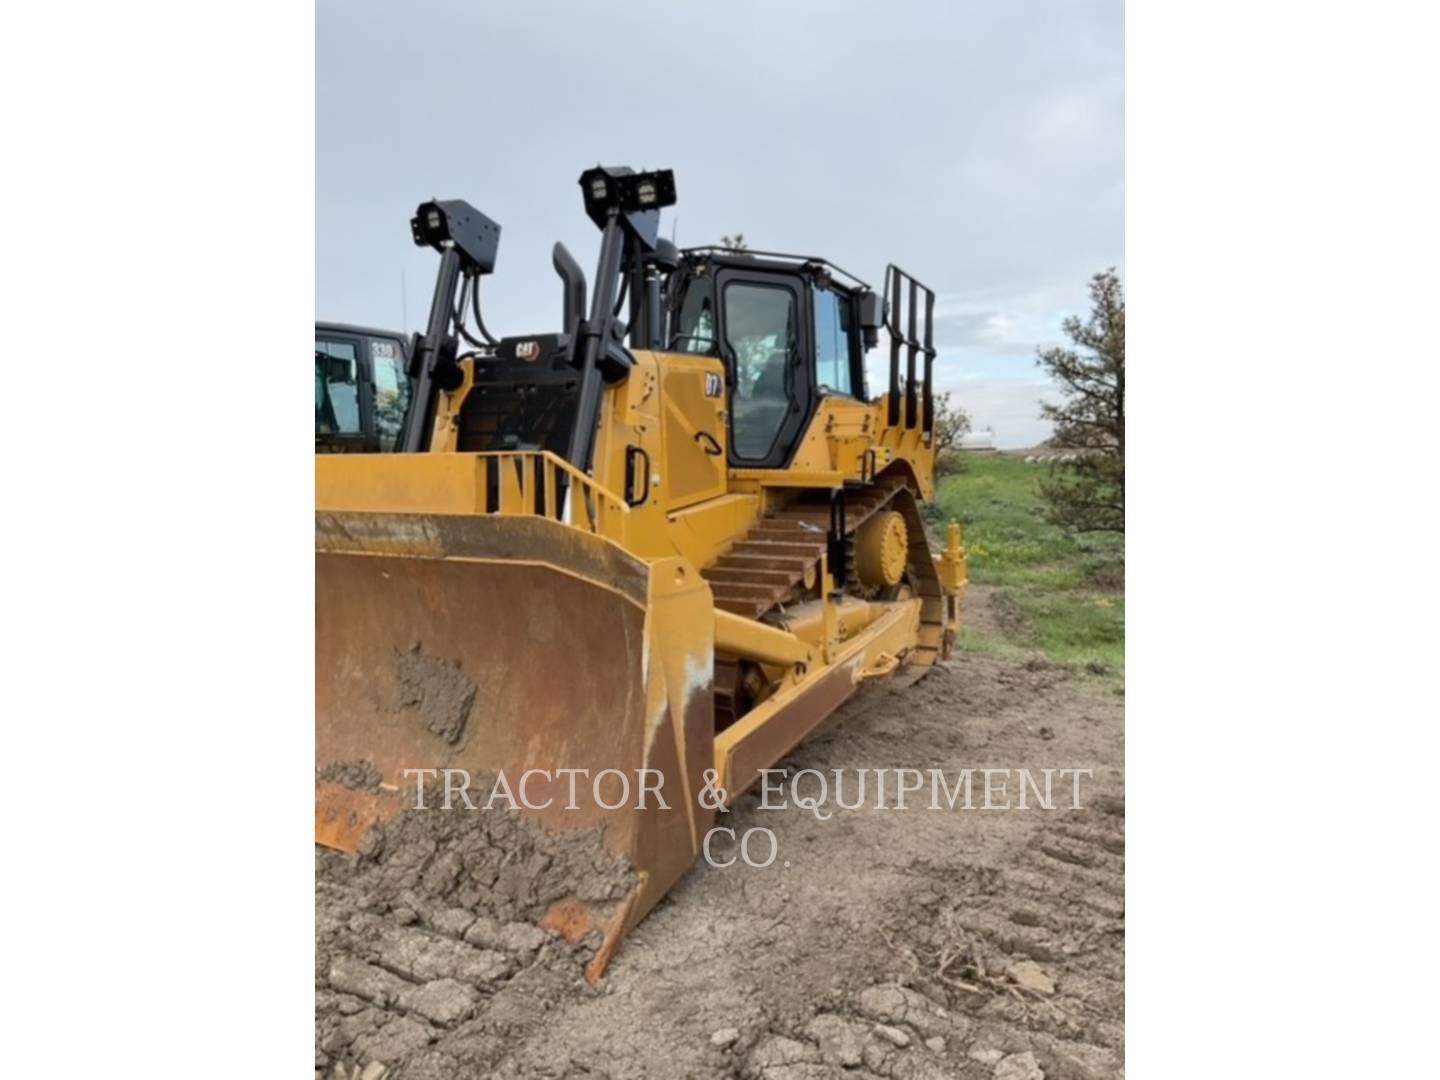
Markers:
(672, 541)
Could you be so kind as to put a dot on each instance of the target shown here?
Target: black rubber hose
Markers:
(475, 307)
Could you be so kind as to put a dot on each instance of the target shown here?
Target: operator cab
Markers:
(789, 330)
(361, 388)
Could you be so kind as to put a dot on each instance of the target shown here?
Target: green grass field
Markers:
(1061, 593)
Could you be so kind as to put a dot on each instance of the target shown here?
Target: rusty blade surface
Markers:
(504, 645)
(445, 663)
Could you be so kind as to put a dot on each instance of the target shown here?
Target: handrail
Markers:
(527, 482)
(903, 320)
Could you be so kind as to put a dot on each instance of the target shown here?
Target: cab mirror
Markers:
(872, 317)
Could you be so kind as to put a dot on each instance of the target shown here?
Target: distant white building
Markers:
(978, 442)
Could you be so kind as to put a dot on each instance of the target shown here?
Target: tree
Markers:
(952, 423)
(734, 243)
(1086, 489)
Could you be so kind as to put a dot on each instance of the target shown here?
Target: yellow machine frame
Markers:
(846, 441)
(405, 542)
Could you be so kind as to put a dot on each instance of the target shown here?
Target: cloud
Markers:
(977, 145)
(1005, 333)
(1010, 408)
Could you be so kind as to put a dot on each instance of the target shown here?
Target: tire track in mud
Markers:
(396, 987)
(426, 938)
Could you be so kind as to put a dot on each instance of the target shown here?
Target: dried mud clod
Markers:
(357, 775)
(437, 689)
(427, 943)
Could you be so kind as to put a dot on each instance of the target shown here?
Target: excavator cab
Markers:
(362, 388)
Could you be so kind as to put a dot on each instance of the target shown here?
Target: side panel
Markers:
(692, 430)
(851, 438)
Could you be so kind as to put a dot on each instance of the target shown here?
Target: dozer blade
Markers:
(504, 644)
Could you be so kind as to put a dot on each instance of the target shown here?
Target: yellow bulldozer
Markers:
(667, 540)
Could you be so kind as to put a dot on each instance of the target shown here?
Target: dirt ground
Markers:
(911, 943)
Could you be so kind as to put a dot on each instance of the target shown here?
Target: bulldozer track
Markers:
(778, 560)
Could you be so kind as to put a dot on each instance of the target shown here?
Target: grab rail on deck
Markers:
(529, 482)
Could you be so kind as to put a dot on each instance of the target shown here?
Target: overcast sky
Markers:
(977, 145)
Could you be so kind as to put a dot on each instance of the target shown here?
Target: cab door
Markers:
(343, 421)
(765, 343)
(389, 389)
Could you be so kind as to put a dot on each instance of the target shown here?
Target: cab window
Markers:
(337, 388)
(695, 321)
(392, 390)
(760, 330)
(832, 342)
